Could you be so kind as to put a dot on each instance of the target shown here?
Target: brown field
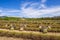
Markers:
(11, 38)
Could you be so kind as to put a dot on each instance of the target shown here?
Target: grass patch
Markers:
(29, 35)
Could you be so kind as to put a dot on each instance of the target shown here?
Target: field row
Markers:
(30, 35)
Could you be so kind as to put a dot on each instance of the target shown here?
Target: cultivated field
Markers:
(29, 29)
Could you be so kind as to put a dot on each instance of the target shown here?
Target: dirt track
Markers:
(49, 33)
(11, 38)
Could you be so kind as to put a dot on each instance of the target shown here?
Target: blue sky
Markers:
(30, 8)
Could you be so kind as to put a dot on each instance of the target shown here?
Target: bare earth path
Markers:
(49, 33)
(11, 38)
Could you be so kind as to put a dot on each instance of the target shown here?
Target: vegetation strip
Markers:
(29, 35)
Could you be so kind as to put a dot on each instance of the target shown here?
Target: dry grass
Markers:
(27, 35)
(12, 38)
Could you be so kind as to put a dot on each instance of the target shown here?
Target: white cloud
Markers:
(43, 1)
(1, 14)
(9, 12)
(31, 12)
(0, 10)
(42, 6)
